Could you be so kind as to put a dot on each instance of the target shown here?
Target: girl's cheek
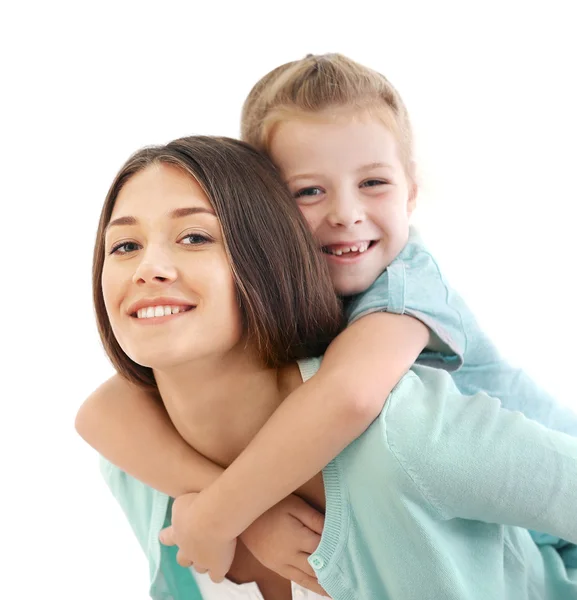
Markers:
(312, 217)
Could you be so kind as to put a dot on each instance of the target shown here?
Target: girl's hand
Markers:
(198, 546)
(284, 537)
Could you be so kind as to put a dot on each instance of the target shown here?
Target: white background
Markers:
(490, 86)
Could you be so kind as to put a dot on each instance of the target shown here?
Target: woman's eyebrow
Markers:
(177, 213)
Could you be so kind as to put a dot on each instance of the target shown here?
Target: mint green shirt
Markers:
(433, 501)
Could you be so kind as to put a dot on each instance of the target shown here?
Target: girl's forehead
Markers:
(351, 122)
(376, 112)
(365, 140)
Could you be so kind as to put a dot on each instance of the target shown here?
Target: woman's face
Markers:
(166, 280)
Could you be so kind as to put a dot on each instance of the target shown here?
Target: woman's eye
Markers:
(124, 248)
(194, 239)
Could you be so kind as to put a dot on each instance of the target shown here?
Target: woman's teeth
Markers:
(361, 247)
(160, 311)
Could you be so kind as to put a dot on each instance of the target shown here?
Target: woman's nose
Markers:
(155, 267)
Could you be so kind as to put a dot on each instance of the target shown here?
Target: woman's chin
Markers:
(154, 360)
(165, 361)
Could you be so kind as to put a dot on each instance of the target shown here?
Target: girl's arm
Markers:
(313, 425)
(131, 428)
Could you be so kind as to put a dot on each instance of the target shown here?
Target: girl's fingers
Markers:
(304, 580)
(309, 517)
(182, 560)
(200, 569)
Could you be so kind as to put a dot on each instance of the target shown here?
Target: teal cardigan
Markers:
(433, 501)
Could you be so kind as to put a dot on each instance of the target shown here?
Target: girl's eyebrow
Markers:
(367, 167)
(177, 213)
(301, 176)
(375, 165)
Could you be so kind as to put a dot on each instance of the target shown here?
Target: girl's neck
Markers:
(219, 405)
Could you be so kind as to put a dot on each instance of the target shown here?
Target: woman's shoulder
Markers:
(423, 431)
(423, 410)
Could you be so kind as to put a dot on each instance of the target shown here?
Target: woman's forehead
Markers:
(159, 188)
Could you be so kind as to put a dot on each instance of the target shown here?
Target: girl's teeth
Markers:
(360, 248)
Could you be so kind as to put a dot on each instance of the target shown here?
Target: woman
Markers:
(207, 285)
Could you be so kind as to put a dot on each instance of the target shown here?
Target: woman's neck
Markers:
(218, 406)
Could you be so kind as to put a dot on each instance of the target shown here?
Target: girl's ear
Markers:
(413, 191)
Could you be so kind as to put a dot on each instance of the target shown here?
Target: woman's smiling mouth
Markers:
(151, 311)
(157, 315)
(160, 311)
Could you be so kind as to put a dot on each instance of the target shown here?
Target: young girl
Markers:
(340, 135)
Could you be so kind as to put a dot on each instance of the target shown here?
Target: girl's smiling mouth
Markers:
(348, 251)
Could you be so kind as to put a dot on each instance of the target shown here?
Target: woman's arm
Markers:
(313, 424)
(130, 427)
(472, 459)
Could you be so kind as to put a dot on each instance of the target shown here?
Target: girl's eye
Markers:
(373, 183)
(195, 239)
(309, 194)
(124, 248)
(310, 191)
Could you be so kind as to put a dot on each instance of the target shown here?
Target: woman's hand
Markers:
(284, 537)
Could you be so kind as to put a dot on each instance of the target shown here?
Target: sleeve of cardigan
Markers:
(472, 459)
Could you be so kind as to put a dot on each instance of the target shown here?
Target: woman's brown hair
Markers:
(286, 297)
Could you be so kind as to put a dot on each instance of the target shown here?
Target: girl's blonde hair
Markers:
(318, 84)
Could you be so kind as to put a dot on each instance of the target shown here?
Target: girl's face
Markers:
(166, 280)
(351, 187)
